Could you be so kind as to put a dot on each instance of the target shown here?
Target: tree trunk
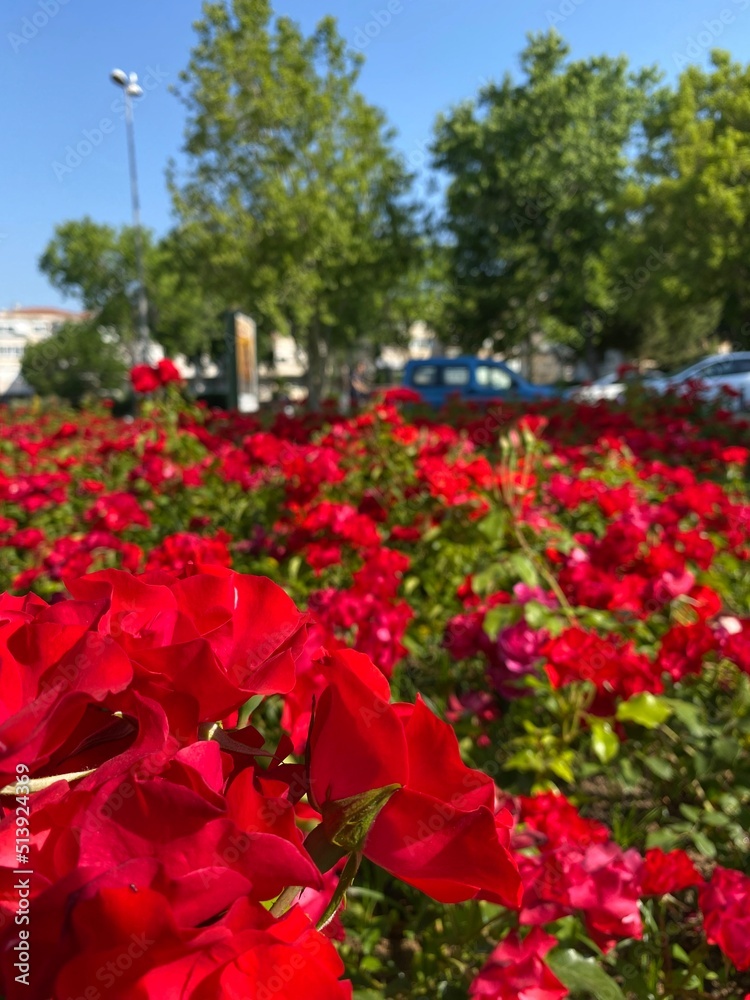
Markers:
(315, 364)
(528, 360)
(592, 362)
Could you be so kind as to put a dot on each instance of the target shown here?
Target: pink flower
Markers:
(516, 971)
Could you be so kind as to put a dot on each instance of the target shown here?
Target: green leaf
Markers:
(692, 813)
(730, 804)
(689, 715)
(666, 838)
(493, 526)
(679, 953)
(562, 766)
(524, 569)
(645, 709)
(727, 749)
(525, 760)
(500, 617)
(535, 614)
(661, 768)
(604, 741)
(703, 843)
(716, 819)
(347, 822)
(630, 774)
(369, 963)
(583, 975)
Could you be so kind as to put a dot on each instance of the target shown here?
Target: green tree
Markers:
(78, 360)
(539, 188)
(186, 317)
(294, 204)
(698, 202)
(96, 264)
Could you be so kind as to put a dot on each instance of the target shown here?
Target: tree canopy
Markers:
(78, 360)
(582, 201)
(698, 202)
(294, 201)
(96, 263)
(538, 191)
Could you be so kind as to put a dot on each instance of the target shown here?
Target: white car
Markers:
(610, 387)
(710, 377)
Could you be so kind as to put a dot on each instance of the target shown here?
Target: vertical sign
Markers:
(242, 367)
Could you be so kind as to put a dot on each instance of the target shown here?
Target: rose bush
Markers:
(399, 704)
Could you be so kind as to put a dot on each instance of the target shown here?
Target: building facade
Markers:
(19, 327)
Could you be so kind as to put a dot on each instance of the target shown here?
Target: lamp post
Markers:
(131, 88)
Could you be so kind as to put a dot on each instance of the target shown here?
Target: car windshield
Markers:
(676, 371)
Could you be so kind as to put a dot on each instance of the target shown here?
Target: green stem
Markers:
(345, 881)
(285, 900)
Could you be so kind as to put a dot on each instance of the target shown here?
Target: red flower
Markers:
(184, 553)
(558, 820)
(116, 511)
(610, 663)
(144, 378)
(684, 648)
(737, 643)
(246, 954)
(437, 830)
(204, 644)
(515, 971)
(54, 664)
(725, 902)
(401, 395)
(668, 873)
(601, 882)
(168, 372)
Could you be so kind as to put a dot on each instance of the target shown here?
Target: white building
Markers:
(19, 327)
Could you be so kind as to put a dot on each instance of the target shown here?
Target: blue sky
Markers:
(56, 55)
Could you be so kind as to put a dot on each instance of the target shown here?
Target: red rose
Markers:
(144, 378)
(515, 971)
(437, 829)
(204, 644)
(401, 395)
(737, 644)
(245, 954)
(168, 372)
(668, 873)
(725, 902)
(54, 665)
(557, 819)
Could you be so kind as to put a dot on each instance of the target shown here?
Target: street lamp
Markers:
(130, 86)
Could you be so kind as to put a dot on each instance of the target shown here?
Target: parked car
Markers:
(611, 387)
(470, 379)
(710, 377)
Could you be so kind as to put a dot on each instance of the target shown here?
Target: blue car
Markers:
(472, 380)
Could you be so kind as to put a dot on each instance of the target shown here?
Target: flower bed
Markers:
(531, 779)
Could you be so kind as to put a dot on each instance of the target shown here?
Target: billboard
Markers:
(242, 367)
